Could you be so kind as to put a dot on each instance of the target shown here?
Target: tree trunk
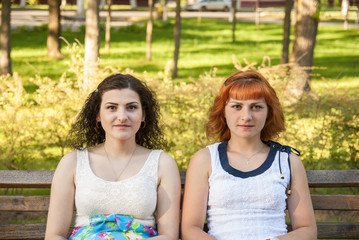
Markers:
(345, 8)
(102, 4)
(92, 42)
(165, 11)
(23, 3)
(286, 31)
(5, 38)
(80, 7)
(63, 3)
(306, 27)
(133, 4)
(257, 14)
(177, 36)
(234, 20)
(54, 30)
(108, 27)
(149, 30)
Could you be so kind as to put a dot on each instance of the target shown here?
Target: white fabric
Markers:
(135, 196)
(250, 208)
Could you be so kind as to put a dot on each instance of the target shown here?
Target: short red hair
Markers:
(242, 86)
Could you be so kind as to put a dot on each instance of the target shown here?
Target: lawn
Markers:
(205, 44)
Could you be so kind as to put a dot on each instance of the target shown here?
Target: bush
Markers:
(322, 126)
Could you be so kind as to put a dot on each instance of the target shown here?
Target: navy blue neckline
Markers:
(222, 150)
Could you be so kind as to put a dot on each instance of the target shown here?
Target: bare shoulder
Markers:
(297, 167)
(168, 173)
(201, 162)
(67, 163)
(167, 162)
(202, 157)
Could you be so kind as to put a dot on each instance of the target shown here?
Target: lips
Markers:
(246, 126)
(122, 125)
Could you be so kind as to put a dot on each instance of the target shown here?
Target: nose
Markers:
(246, 114)
(122, 115)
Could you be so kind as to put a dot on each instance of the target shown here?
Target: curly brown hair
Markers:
(87, 132)
(245, 85)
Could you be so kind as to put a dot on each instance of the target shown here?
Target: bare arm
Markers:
(168, 199)
(196, 196)
(300, 205)
(62, 199)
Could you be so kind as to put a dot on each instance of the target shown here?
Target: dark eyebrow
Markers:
(111, 103)
(132, 103)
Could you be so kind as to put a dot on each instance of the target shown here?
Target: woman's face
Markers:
(246, 118)
(120, 114)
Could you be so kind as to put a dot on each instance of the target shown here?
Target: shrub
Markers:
(322, 126)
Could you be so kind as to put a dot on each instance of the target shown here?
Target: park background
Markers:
(40, 100)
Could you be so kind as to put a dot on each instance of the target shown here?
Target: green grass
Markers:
(205, 44)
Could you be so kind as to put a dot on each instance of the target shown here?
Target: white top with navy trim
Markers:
(247, 205)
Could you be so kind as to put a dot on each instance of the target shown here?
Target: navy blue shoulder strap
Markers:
(288, 150)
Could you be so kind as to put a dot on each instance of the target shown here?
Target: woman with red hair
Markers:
(243, 183)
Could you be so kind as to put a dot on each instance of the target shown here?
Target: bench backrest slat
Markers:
(338, 230)
(24, 203)
(41, 203)
(22, 231)
(335, 202)
(25, 179)
(333, 178)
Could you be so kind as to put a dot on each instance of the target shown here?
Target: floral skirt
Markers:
(112, 227)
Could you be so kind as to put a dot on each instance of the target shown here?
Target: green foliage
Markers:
(325, 130)
(185, 108)
(323, 127)
(36, 112)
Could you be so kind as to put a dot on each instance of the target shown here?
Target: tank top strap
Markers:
(151, 165)
(215, 163)
(82, 165)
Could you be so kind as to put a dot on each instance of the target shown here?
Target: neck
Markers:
(119, 148)
(244, 145)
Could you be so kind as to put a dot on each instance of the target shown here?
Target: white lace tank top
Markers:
(248, 205)
(135, 196)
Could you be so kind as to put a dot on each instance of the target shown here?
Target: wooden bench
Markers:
(342, 208)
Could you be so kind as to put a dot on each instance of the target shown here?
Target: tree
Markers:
(92, 41)
(23, 3)
(306, 27)
(345, 11)
(162, 10)
(133, 4)
(177, 36)
(54, 30)
(234, 20)
(286, 31)
(149, 30)
(108, 27)
(80, 4)
(5, 38)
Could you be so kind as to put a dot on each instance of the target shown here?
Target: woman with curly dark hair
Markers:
(115, 179)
